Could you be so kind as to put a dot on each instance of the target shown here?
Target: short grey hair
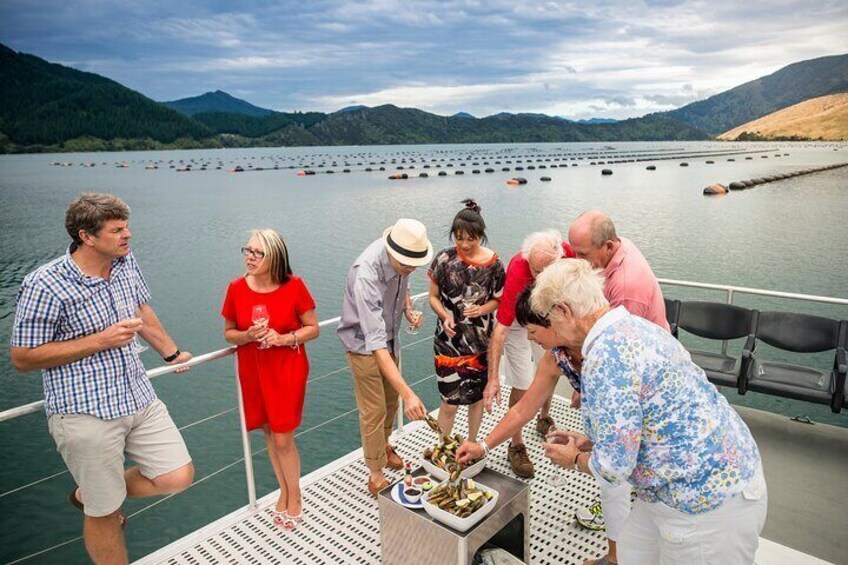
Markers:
(570, 282)
(548, 241)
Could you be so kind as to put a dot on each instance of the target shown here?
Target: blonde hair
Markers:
(276, 253)
(548, 242)
(570, 282)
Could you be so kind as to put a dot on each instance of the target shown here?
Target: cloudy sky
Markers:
(581, 59)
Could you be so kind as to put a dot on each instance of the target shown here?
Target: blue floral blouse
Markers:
(655, 420)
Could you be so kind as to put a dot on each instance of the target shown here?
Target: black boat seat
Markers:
(720, 369)
(800, 333)
(719, 321)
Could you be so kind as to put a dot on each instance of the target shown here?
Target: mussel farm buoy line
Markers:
(715, 188)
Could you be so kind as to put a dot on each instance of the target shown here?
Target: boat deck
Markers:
(341, 522)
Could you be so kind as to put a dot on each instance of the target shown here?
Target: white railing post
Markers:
(245, 443)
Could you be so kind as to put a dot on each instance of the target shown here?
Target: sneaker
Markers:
(545, 425)
(519, 460)
(393, 460)
(591, 518)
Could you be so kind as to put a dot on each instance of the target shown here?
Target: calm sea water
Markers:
(789, 236)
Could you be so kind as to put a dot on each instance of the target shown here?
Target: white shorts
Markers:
(520, 358)
(656, 534)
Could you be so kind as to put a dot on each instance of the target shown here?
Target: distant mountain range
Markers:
(217, 101)
(48, 107)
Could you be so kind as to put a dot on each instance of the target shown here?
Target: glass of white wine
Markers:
(127, 312)
(470, 296)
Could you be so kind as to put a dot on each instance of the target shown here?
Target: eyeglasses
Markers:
(248, 252)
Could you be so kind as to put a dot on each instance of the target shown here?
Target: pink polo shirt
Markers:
(631, 283)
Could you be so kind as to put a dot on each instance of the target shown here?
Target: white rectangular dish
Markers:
(441, 474)
(455, 522)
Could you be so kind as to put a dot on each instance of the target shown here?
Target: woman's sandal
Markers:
(291, 522)
(279, 518)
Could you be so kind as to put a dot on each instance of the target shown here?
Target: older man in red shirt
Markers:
(538, 250)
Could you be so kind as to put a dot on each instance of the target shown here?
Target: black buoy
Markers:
(545, 179)
(423, 175)
(490, 170)
(737, 186)
(443, 173)
(651, 168)
(606, 172)
(684, 164)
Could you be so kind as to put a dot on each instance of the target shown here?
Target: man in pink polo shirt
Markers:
(630, 281)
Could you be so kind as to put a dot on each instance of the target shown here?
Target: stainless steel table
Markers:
(411, 537)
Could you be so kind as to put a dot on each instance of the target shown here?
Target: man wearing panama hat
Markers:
(376, 295)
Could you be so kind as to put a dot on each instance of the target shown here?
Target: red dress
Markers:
(273, 380)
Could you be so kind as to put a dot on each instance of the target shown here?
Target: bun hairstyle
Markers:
(469, 221)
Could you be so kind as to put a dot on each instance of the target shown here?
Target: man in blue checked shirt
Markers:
(77, 319)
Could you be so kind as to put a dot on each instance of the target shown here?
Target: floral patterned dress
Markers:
(655, 420)
(462, 360)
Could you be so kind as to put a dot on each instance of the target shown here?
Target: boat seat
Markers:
(800, 333)
(719, 321)
(672, 309)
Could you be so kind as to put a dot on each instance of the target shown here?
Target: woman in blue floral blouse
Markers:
(652, 419)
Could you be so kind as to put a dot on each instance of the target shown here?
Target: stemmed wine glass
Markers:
(127, 312)
(260, 317)
(469, 298)
(556, 479)
(416, 311)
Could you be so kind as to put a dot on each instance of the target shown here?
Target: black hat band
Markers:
(404, 251)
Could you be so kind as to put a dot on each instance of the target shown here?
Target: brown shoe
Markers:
(519, 460)
(375, 489)
(545, 425)
(393, 460)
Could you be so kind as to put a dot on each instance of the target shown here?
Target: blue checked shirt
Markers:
(58, 302)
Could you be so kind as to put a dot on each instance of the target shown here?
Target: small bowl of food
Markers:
(424, 483)
(412, 494)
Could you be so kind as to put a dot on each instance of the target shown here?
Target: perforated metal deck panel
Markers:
(341, 521)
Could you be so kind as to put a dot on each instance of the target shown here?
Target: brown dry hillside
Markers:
(824, 118)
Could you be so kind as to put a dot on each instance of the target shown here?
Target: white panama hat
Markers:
(407, 242)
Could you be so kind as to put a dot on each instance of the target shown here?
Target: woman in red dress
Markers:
(269, 314)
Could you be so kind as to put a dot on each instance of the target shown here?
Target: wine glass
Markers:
(557, 479)
(416, 311)
(260, 316)
(127, 312)
(469, 298)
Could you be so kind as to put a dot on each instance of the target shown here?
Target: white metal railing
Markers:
(38, 406)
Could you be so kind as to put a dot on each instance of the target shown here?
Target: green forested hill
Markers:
(218, 101)
(392, 125)
(253, 126)
(791, 84)
(46, 104)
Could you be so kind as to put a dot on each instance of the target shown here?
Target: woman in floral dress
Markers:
(466, 282)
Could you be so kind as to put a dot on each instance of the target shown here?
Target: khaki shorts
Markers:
(520, 358)
(93, 450)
